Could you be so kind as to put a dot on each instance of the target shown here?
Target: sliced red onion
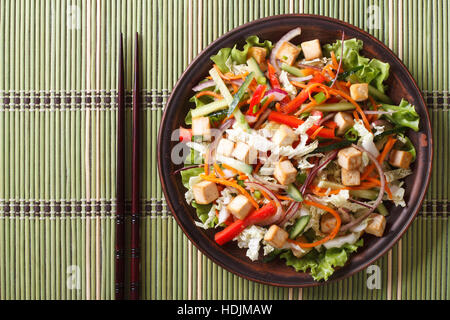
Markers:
(380, 194)
(326, 118)
(328, 158)
(270, 185)
(287, 37)
(340, 59)
(237, 82)
(309, 66)
(279, 214)
(290, 212)
(378, 112)
(278, 94)
(301, 79)
(363, 204)
(204, 85)
(262, 118)
(187, 168)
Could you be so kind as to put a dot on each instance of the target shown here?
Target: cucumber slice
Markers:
(292, 70)
(332, 107)
(221, 86)
(294, 193)
(238, 96)
(299, 226)
(236, 164)
(259, 75)
(209, 108)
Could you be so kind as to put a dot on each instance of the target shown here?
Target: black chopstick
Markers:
(135, 255)
(120, 192)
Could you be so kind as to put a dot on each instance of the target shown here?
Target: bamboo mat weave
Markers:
(58, 62)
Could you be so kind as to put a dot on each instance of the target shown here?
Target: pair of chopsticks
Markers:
(120, 191)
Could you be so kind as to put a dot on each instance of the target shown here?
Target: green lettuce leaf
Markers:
(321, 265)
(187, 174)
(373, 72)
(404, 114)
(221, 58)
(202, 210)
(239, 56)
(406, 145)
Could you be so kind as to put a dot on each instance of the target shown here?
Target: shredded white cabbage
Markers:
(197, 146)
(287, 86)
(340, 200)
(366, 141)
(398, 194)
(397, 174)
(211, 217)
(340, 241)
(250, 238)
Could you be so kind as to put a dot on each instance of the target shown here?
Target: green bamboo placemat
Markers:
(57, 145)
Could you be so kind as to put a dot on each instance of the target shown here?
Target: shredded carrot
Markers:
(333, 232)
(231, 184)
(242, 177)
(355, 115)
(335, 63)
(232, 169)
(235, 87)
(219, 170)
(280, 197)
(265, 105)
(229, 75)
(378, 183)
(299, 84)
(387, 147)
(206, 166)
(278, 106)
(358, 108)
(316, 132)
(322, 192)
(209, 93)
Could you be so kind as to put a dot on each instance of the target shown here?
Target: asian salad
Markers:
(294, 150)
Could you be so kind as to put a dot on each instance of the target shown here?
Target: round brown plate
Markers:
(401, 85)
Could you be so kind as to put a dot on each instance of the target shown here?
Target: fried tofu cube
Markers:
(225, 147)
(285, 172)
(327, 223)
(284, 136)
(240, 207)
(376, 225)
(205, 192)
(201, 127)
(300, 253)
(344, 122)
(350, 177)
(258, 53)
(400, 159)
(276, 236)
(288, 53)
(359, 91)
(312, 49)
(350, 158)
(245, 153)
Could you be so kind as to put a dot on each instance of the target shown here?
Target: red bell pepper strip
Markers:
(234, 229)
(295, 103)
(185, 134)
(257, 96)
(273, 77)
(318, 78)
(294, 122)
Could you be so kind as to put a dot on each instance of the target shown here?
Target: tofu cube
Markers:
(258, 53)
(376, 225)
(240, 207)
(288, 53)
(350, 177)
(225, 147)
(201, 127)
(344, 122)
(359, 91)
(400, 159)
(284, 136)
(285, 172)
(205, 192)
(327, 223)
(304, 251)
(350, 158)
(312, 49)
(245, 153)
(276, 236)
